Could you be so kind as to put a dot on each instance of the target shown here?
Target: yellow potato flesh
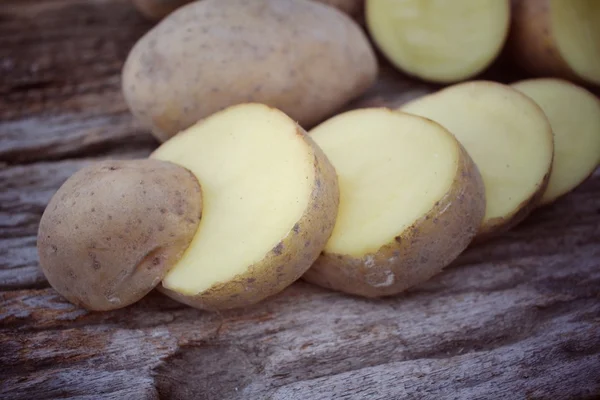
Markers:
(392, 168)
(439, 40)
(576, 29)
(574, 115)
(256, 174)
(505, 133)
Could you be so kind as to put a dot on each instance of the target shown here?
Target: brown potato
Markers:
(302, 57)
(270, 203)
(559, 38)
(411, 200)
(113, 230)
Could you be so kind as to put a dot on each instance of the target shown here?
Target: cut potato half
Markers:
(574, 115)
(557, 38)
(270, 204)
(509, 138)
(411, 200)
(439, 40)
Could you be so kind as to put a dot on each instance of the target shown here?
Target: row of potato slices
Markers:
(371, 202)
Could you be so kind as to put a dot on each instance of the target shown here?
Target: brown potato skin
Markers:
(531, 44)
(210, 54)
(287, 261)
(155, 10)
(114, 229)
(418, 253)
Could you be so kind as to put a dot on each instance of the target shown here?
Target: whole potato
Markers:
(302, 57)
(114, 229)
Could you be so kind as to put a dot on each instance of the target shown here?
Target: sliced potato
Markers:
(509, 138)
(557, 38)
(574, 115)
(411, 200)
(270, 204)
(439, 41)
(114, 228)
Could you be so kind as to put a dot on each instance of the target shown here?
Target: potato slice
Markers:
(509, 138)
(270, 204)
(114, 228)
(411, 200)
(557, 38)
(439, 41)
(574, 115)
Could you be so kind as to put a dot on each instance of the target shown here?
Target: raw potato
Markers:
(574, 115)
(509, 138)
(559, 38)
(439, 40)
(270, 204)
(155, 10)
(411, 200)
(114, 228)
(302, 57)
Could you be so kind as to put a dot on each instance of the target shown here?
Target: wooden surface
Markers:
(515, 318)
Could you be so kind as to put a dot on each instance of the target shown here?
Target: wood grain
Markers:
(514, 318)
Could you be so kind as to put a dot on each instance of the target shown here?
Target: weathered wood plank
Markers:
(60, 78)
(517, 317)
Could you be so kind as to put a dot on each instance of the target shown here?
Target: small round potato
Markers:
(114, 229)
(304, 58)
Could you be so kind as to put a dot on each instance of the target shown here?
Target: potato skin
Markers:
(114, 229)
(289, 259)
(531, 44)
(302, 57)
(418, 253)
(155, 10)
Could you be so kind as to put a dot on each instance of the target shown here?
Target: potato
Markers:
(155, 10)
(509, 138)
(439, 41)
(114, 228)
(411, 200)
(559, 38)
(302, 57)
(574, 115)
(270, 204)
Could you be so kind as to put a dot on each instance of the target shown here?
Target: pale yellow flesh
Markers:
(504, 132)
(256, 175)
(392, 168)
(574, 115)
(576, 29)
(439, 40)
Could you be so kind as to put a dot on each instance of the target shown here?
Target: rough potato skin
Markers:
(114, 228)
(155, 10)
(531, 44)
(418, 253)
(289, 259)
(302, 57)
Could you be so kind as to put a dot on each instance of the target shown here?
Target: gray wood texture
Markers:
(514, 318)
